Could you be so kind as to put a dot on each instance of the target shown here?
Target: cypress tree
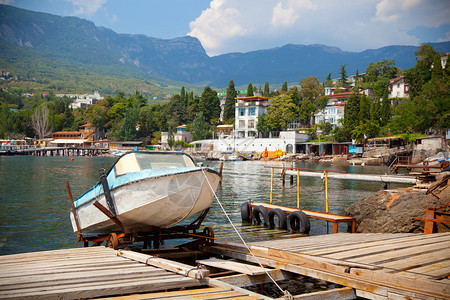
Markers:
(250, 90)
(284, 88)
(385, 112)
(266, 90)
(230, 102)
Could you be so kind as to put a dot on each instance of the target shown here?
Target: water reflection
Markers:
(34, 206)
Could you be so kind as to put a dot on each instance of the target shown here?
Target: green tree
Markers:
(280, 112)
(306, 109)
(209, 104)
(200, 128)
(385, 112)
(310, 89)
(364, 109)
(351, 113)
(284, 87)
(177, 109)
(266, 90)
(344, 76)
(328, 82)
(128, 130)
(250, 90)
(230, 103)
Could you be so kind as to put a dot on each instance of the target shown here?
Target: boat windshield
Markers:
(135, 162)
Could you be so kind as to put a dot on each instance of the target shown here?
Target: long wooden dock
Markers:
(376, 266)
(373, 266)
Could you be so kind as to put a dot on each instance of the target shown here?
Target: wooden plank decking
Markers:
(103, 272)
(377, 266)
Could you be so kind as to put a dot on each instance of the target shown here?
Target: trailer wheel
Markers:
(258, 212)
(113, 241)
(282, 218)
(298, 221)
(245, 211)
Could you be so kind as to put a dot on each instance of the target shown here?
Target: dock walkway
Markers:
(99, 272)
(373, 266)
(376, 266)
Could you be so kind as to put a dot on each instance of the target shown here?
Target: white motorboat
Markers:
(146, 189)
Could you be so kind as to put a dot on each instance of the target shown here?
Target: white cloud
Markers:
(6, 1)
(283, 16)
(236, 25)
(87, 7)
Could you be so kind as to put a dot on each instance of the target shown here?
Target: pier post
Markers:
(326, 190)
(271, 187)
(298, 188)
(292, 176)
(283, 176)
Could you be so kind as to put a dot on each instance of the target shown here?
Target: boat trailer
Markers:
(150, 235)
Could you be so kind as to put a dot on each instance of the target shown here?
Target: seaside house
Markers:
(84, 137)
(398, 88)
(224, 131)
(246, 114)
(180, 135)
(334, 109)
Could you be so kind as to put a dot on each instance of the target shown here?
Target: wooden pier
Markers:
(333, 218)
(373, 266)
(57, 151)
(376, 266)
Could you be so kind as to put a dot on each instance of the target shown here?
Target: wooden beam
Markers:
(233, 266)
(345, 293)
(168, 265)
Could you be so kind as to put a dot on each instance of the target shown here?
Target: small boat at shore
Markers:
(145, 189)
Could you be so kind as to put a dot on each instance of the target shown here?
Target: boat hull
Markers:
(159, 201)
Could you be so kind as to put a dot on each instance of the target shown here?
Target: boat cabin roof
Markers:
(138, 161)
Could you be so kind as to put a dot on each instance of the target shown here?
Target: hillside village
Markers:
(314, 126)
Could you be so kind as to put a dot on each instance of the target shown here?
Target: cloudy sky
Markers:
(225, 26)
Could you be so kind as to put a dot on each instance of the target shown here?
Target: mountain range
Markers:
(171, 62)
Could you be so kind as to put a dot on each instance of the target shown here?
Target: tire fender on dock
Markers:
(282, 218)
(258, 212)
(245, 211)
(298, 221)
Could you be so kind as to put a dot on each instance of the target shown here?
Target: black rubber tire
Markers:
(282, 218)
(245, 212)
(298, 221)
(258, 212)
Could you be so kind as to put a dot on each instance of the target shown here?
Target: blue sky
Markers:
(225, 26)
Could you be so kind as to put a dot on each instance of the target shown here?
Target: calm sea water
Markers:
(34, 206)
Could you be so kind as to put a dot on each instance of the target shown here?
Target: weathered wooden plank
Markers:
(55, 253)
(331, 241)
(370, 247)
(419, 260)
(77, 277)
(81, 268)
(438, 270)
(171, 294)
(97, 289)
(169, 265)
(233, 266)
(242, 280)
(345, 293)
(375, 248)
(344, 277)
(403, 254)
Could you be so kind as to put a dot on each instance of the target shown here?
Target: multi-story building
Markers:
(85, 100)
(334, 109)
(398, 88)
(246, 114)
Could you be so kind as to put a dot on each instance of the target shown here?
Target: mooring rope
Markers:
(286, 293)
